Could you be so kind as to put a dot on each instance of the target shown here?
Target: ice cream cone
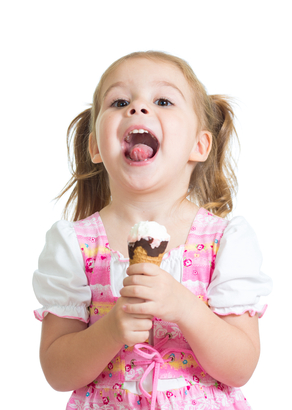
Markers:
(147, 243)
(140, 256)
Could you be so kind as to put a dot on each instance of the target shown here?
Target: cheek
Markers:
(107, 138)
(105, 126)
(191, 130)
(103, 123)
(181, 131)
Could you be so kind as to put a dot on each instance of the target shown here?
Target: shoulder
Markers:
(61, 244)
(60, 231)
(239, 234)
(90, 226)
(239, 248)
(239, 224)
(66, 230)
(207, 223)
(237, 228)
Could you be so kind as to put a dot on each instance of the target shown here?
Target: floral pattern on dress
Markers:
(192, 398)
(100, 292)
(201, 392)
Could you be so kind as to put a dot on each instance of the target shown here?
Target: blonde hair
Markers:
(212, 184)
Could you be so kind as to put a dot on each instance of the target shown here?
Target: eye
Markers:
(119, 103)
(163, 102)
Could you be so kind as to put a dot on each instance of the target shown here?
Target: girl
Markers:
(154, 146)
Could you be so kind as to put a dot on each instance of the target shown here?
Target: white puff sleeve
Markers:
(60, 283)
(237, 282)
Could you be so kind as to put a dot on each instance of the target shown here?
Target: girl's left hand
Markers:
(164, 296)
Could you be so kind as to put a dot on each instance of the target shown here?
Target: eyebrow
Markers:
(117, 84)
(157, 83)
(167, 84)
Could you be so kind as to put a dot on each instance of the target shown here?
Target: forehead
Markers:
(142, 71)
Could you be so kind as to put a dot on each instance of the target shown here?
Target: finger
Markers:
(142, 325)
(130, 301)
(143, 269)
(141, 292)
(133, 300)
(141, 316)
(142, 280)
(145, 308)
(138, 337)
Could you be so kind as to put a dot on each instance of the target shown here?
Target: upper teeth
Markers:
(136, 131)
(141, 131)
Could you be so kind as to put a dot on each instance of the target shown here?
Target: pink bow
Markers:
(154, 359)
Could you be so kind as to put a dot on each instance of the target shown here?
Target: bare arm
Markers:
(226, 347)
(72, 355)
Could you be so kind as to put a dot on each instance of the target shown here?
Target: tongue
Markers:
(141, 152)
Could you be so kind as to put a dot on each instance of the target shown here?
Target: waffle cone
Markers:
(141, 256)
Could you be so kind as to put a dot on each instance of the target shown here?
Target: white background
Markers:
(53, 54)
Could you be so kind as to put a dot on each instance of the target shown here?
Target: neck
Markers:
(141, 210)
(149, 196)
(156, 206)
(166, 207)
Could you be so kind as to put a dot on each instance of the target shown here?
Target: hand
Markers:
(164, 296)
(128, 328)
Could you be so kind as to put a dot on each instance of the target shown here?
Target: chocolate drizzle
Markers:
(146, 244)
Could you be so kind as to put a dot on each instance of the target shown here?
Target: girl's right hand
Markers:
(128, 328)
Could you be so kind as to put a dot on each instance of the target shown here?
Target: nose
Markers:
(137, 108)
(143, 110)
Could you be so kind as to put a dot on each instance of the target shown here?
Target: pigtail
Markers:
(214, 182)
(89, 181)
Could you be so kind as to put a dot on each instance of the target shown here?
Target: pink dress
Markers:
(169, 356)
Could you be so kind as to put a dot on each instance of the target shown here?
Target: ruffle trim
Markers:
(240, 310)
(67, 312)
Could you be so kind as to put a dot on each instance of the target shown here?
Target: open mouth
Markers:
(140, 145)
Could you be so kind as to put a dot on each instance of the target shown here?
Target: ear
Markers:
(202, 147)
(93, 149)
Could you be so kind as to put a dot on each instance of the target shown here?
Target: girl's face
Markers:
(146, 130)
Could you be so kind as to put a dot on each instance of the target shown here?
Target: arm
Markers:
(72, 355)
(226, 347)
